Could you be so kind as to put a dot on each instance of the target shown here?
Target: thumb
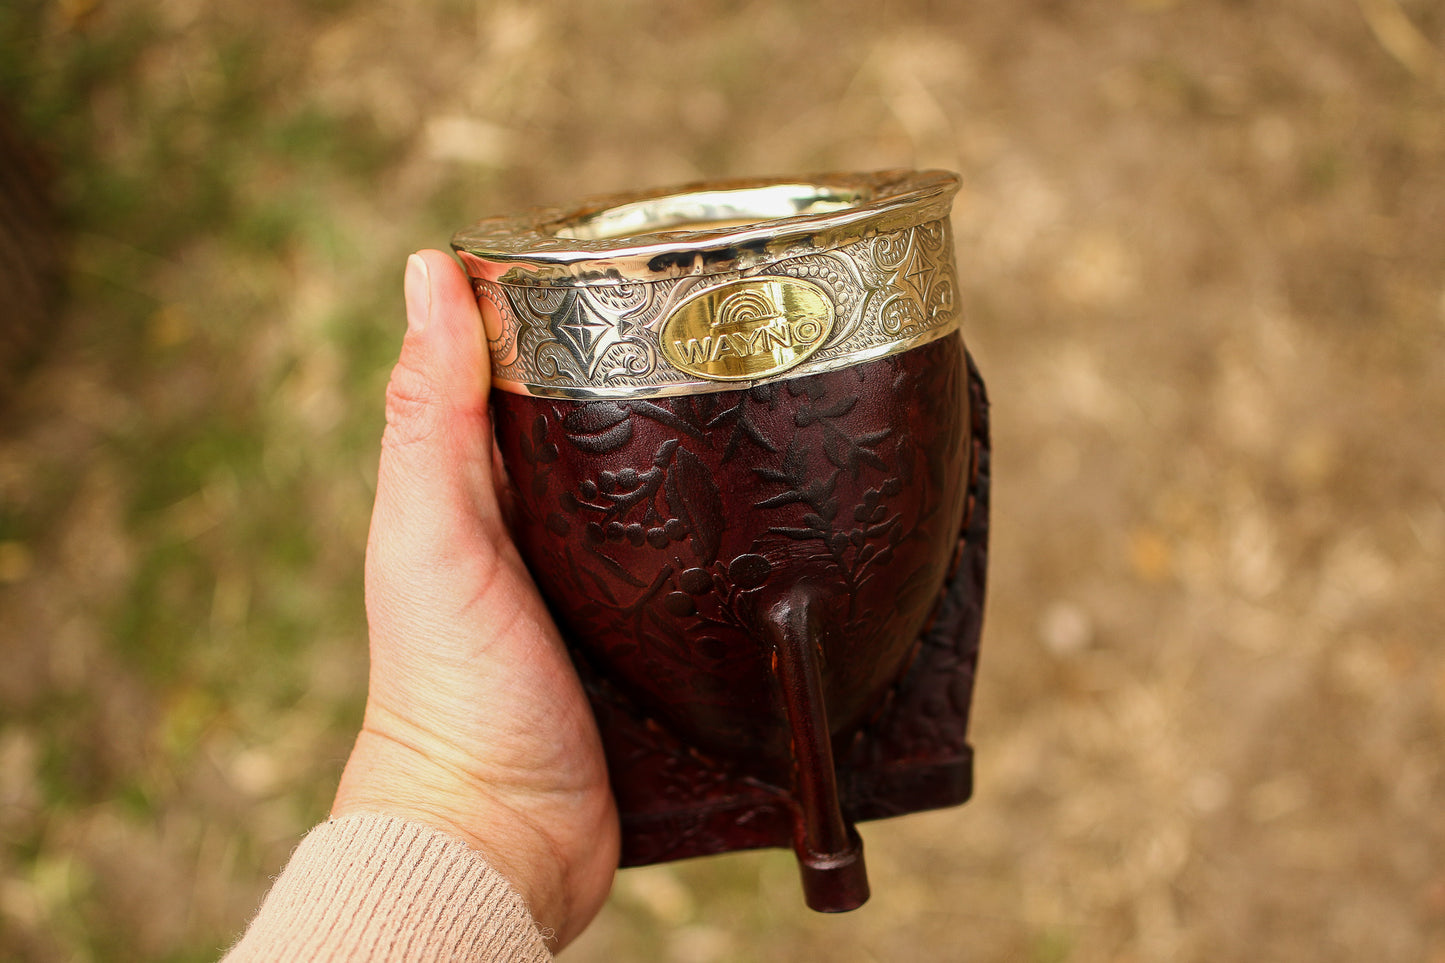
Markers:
(435, 498)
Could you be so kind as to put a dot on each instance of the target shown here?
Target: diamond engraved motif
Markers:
(584, 330)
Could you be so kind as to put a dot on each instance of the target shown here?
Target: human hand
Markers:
(475, 721)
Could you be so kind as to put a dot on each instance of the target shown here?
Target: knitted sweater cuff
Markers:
(371, 887)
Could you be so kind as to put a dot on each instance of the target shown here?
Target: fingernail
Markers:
(418, 293)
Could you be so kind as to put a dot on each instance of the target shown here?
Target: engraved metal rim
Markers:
(555, 246)
(700, 386)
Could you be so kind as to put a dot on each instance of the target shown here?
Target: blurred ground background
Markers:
(1203, 250)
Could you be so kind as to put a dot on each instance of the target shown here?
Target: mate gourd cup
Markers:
(750, 457)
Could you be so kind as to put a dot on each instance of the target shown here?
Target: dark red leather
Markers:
(672, 536)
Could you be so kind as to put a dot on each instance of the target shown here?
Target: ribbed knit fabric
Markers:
(369, 887)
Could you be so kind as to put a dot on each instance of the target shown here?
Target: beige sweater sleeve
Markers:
(372, 887)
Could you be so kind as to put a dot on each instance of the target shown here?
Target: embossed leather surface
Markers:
(661, 532)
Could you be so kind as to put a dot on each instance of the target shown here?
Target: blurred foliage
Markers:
(224, 460)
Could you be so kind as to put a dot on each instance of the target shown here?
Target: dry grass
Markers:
(1202, 245)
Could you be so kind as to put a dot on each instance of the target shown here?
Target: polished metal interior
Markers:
(710, 210)
(709, 228)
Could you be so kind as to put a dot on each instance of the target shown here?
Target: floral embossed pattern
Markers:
(662, 530)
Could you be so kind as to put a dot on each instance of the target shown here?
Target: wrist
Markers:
(387, 777)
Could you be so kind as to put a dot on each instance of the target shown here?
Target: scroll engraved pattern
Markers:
(890, 293)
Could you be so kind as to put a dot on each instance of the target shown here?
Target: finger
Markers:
(435, 494)
(506, 492)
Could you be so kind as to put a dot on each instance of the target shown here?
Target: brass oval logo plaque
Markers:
(747, 329)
